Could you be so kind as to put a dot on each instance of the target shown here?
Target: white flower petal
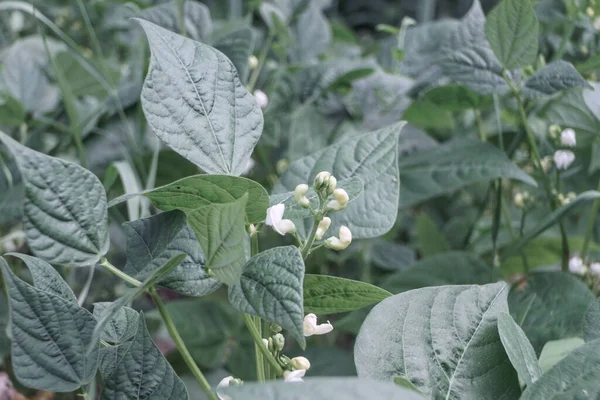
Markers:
(567, 138)
(225, 382)
(563, 158)
(310, 324)
(323, 328)
(294, 376)
(275, 214)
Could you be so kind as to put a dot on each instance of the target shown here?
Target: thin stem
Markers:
(261, 61)
(311, 238)
(263, 349)
(116, 271)
(570, 29)
(590, 226)
(537, 162)
(513, 236)
(187, 357)
(480, 130)
(256, 321)
(86, 288)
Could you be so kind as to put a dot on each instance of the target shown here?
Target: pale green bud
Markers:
(278, 342)
(300, 363)
(322, 228)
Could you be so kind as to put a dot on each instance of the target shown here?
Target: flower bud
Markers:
(563, 159)
(300, 363)
(340, 202)
(321, 181)
(567, 138)
(261, 98)
(266, 343)
(546, 163)
(554, 131)
(519, 200)
(287, 226)
(322, 228)
(275, 328)
(281, 166)
(576, 266)
(344, 240)
(252, 62)
(300, 195)
(229, 380)
(595, 268)
(278, 341)
(252, 230)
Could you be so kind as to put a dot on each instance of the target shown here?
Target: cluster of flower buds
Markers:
(565, 198)
(523, 199)
(565, 138)
(578, 267)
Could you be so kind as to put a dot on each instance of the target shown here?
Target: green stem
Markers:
(590, 226)
(256, 321)
(116, 271)
(570, 29)
(311, 238)
(261, 61)
(263, 349)
(480, 130)
(538, 164)
(86, 288)
(513, 236)
(187, 357)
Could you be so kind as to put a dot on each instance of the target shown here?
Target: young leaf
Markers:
(591, 322)
(513, 30)
(329, 294)
(271, 288)
(554, 77)
(122, 327)
(138, 370)
(195, 102)
(519, 349)
(195, 20)
(373, 158)
(50, 335)
(65, 217)
(450, 166)
(221, 232)
(556, 350)
(444, 339)
(558, 294)
(575, 376)
(321, 389)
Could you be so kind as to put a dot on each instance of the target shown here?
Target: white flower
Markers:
(340, 202)
(261, 98)
(563, 158)
(294, 376)
(225, 382)
(16, 21)
(576, 266)
(595, 268)
(311, 327)
(567, 138)
(300, 195)
(274, 219)
(322, 228)
(344, 240)
(300, 363)
(519, 200)
(252, 62)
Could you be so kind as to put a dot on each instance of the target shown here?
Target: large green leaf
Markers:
(138, 370)
(329, 294)
(215, 328)
(558, 294)
(452, 268)
(154, 240)
(444, 340)
(194, 19)
(221, 232)
(271, 288)
(50, 334)
(321, 389)
(512, 30)
(519, 349)
(574, 377)
(12, 190)
(556, 350)
(391, 256)
(450, 166)
(195, 102)
(571, 110)
(591, 322)
(373, 158)
(122, 327)
(554, 77)
(65, 217)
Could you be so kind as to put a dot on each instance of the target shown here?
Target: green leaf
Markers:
(444, 340)
(572, 110)
(50, 335)
(271, 287)
(591, 322)
(195, 102)
(405, 383)
(451, 166)
(513, 30)
(197, 191)
(221, 232)
(237, 46)
(556, 350)
(345, 80)
(12, 112)
(215, 327)
(373, 159)
(195, 19)
(321, 389)
(456, 98)
(45, 277)
(519, 349)
(452, 268)
(554, 77)
(154, 240)
(122, 327)
(329, 294)
(308, 131)
(558, 294)
(138, 370)
(574, 377)
(549, 220)
(391, 256)
(430, 240)
(112, 311)
(12, 190)
(80, 80)
(591, 64)
(65, 217)
(352, 186)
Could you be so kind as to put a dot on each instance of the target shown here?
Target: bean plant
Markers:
(292, 199)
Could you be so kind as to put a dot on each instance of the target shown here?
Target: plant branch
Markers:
(116, 271)
(263, 349)
(86, 288)
(187, 357)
